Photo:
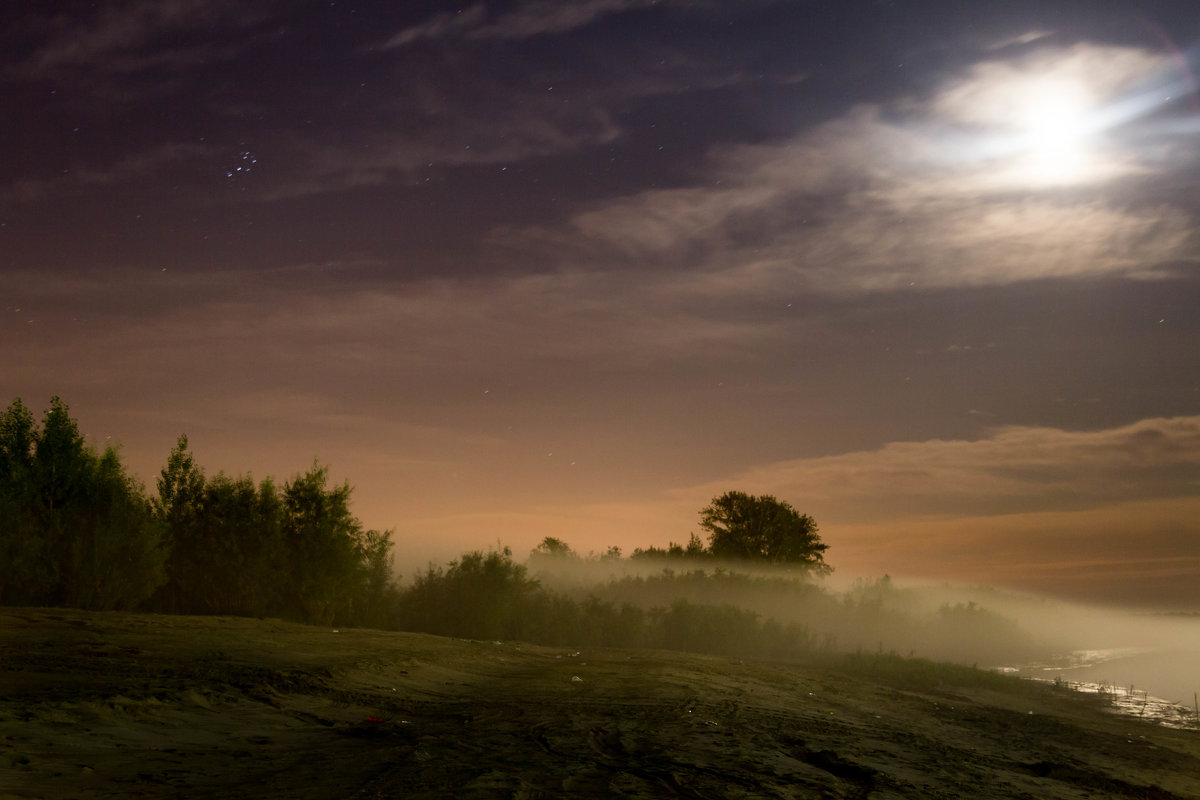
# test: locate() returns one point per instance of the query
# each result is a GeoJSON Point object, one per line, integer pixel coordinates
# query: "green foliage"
{"type": "Point", "coordinates": [767, 595]}
{"type": "Point", "coordinates": [234, 547]}
{"type": "Point", "coordinates": [551, 553]}
{"type": "Point", "coordinates": [18, 437]}
{"type": "Point", "coordinates": [479, 595]}
{"type": "Point", "coordinates": [376, 595]}
{"type": "Point", "coordinates": [552, 546]}
{"type": "Point", "coordinates": [114, 557]}
{"type": "Point", "coordinates": [702, 628]}
{"type": "Point", "coordinates": [725, 629]}
{"type": "Point", "coordinates": [745, 527]}
{"type": "Point", "coordinates": [694, 550]}
{"type": "Point", "coordinates": [75, 530]}
{"type": "Point", "coordinates": [920, 673]}
{"type": "Point", "coordinates": [224, 537]}
{"type": "Point", "coordinates": [26, 574]}
{"type": "Point", "coordinates": [488, 596]}
{"type": "Point", "coordinates": [180, 487]}
{"type": "Point", "coordinates": [323, 541]}
{"type": "Point", "coordinates": [246, 549]}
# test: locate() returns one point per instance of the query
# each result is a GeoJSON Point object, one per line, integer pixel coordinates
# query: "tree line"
{"type": "Point", "coordinates": [741, 528]}
{"type": "Point", "coordinates": [77, 530]}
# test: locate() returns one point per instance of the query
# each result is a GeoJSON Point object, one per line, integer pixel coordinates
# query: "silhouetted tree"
{"type": "Point", "coordinates": [479, 595]}
{"type": "Point", "coordinates": [26, 575]}
{"type": "Point", "coordinates": [180, 502]}
{"type": "Point", "coordinates": [694, 549]}
{"type": "Point", "coordinates": [323, 541]}
{"type": "Point", "coordinates": [238, 548]}
{"type": "Point", "coordinates": [60, 465]}
{"type": "Point", "coordinates": [113, 554]}
{"type": "Point", "coordinates": [377, 591]}
{"type": "Point", "coordinates": [236, 554]}
{"type": "Point", "coordinates": [552, 546]}
{"type": "Point", "coordinates": [743, 526]}
{"type": "Point", "coordinates": [74, 528]}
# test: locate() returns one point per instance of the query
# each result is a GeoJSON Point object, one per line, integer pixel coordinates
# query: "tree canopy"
{"type": "Point", "coordinates": [77, 530]}
{"type": "Point", "coordinates": [762, 528]}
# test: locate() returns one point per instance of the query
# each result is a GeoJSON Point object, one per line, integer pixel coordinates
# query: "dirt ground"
{"type": "Point", "coordinates": [126, 705]}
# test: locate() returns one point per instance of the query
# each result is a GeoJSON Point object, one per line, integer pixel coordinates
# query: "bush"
{"type": "Point", "coordinates": [478, 596]}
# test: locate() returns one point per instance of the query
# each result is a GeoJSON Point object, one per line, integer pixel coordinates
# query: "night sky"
{"type": "Point", "coordinates": [929, 271]}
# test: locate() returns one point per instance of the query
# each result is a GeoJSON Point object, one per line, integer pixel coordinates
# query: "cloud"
{"type": "Point", "coordinates": [129, 168]}
{"type": "Point", "coordinates": [127, 37]}
{"type": "Point", "coordinates": [1101, 515]}
{"type": "Point", "coordinates": [1020, 40]}
{"type": "Point", "coordinates": [533, 18]}
{"type": "Point", "coordinates": [438, 26]}
{"type": "Point", "coordinates": [1136, 552]}
{"type": "Point", "coordinates": [462, 335]}
{"type": "Point", "coordinates": [1013, 469]}
{"type": "Point", "coordinates": [994, 93]}
{"type": "Point", "coordinates": [392, 381]}
{"type": "Point", "coordinates": [538, 17]}
{"type": "Point", "coordinates": [464, 135]}
{"type": "Point", "coordinates": [443, 111]}
{"type": "Point", "coordinates": [885, 198]}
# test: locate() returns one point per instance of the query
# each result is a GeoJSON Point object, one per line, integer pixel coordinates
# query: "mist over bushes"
{"type": "Point", "coordinates": [76, 530]}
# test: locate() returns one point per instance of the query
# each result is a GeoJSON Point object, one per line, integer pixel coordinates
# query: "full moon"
{"type": "Point", "coordinates": [1054, 128]}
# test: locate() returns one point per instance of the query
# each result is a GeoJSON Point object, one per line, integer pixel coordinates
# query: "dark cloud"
{"type": "Point", "coordinates": [526, 20]}
{"type": "Point", "coordinates": [138, 36]}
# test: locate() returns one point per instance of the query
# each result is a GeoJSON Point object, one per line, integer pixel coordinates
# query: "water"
{"type": "Point", "coordinates": [1154, 683]}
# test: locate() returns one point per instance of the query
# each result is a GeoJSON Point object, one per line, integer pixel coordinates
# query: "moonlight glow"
{"type": "Point", "coordinates": [1055, 129]}
{"type": "Point", "coordinates": [1056, 117]}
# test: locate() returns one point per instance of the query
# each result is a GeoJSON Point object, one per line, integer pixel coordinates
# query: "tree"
{"type": "Point", "coordinates": [114, 557]}
{"type": "Point", "coordinates": [479, 596]}
{"type": "Point", "coordinates": [181, 494]}
{"type": "Point", "coordinates": [694, 550]}
{"type": "Point", "coordinates": [25, 575]}
{"type": "Point", "coordinates": [745, 527]}
{"type": "Point", "coordinates": [377, 592]}
{"type": "Point", "coordinates": [324, 543]}
{"type": "Point", "coordinates": [554, 547]}
{"type": "Point", "coordinates": [17, 439]}
{"type": "Point", "coordinates": [234, 549]}
{"type": "Point", "coordinates": [75, 529]}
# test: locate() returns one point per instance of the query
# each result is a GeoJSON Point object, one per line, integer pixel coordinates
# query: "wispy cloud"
{"type": "Point", "coordinates": [1056, 511]}
{"type": "Point", "coordinates": [1013, 469]}
{"type": "Point", "coordinates": [439, 26]}
{"type": "Point", "coordinates": [532, 18]}
{"type": "Point", "coordinates": [459, 138]}
{"type": "Point", "coordinates": [131, 36]}
{"type": "Point", "coordinates": [1140, 551]}
{"type": "Point", "coordinates": [131, 167]}
{"type": "Point", "coordinates": [456, 114]}
{"type": "Point", "coordinates": [993, 93]}
{"type": "Point", "coordinates": [537, 17]}
{"type": "Point", "coordinates": [1021, 40]}
{"type": "Point", "coordinates": [885, 198]}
